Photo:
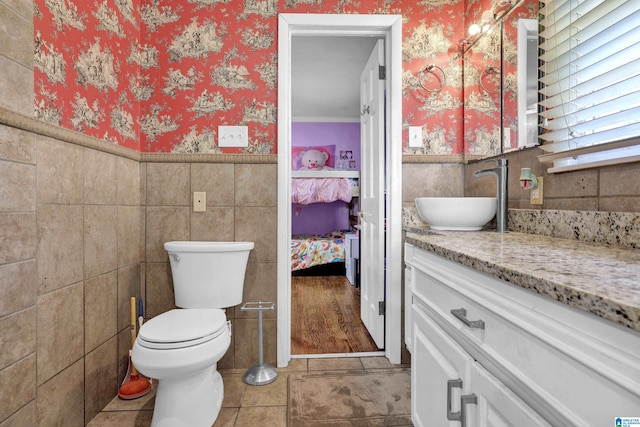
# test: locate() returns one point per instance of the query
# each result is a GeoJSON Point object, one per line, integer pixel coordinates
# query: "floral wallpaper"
{"type": "Point", "coordinates": [482, 106]}
{"type": "Point", "coordinates": [162, 75]}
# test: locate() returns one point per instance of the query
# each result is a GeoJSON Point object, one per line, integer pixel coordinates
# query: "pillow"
{"type": "Point", "coordinates": [296, 163]}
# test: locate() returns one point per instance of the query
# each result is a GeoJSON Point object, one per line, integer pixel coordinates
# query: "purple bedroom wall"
{"type": "Point", "coordinates": [319, 218]}
{"type": "Point", "coordinates": [345, 136]}
{"type": "Point", "coordinates": [322, 218]}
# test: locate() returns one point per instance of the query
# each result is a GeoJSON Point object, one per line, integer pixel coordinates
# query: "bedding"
{"type": "Point", "coordinates": [311, 250]}
{"type": "Point", "coordinates": [305, 191]}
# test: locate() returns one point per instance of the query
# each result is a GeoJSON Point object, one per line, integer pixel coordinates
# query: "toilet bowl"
{"type": "Point", "coordinates": [181, 347]}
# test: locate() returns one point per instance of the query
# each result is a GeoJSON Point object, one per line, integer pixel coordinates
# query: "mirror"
{"type": "Point", "coordinates": [520, 76]}
{"type": "Point", "coordinates": [496, 118]}
{"type": "Point", "coordinates": [481, 91]}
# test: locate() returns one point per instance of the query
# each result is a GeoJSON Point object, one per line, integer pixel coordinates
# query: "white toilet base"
{"type": "Point", "coordinates": [190, 401]}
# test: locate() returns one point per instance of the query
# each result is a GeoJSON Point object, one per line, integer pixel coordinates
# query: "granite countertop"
{"type": "Point", "coordinates": [602, 280]}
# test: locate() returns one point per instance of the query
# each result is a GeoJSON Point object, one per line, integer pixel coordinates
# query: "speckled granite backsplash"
{"type": "Point", "coordinates": [603, 228]}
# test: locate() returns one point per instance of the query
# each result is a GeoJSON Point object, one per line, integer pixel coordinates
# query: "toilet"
{"type": "Point", "coordinates": [181, 348]}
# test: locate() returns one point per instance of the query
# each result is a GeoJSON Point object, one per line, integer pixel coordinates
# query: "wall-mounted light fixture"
{"type": "Point", "coordinates": [489, 17]}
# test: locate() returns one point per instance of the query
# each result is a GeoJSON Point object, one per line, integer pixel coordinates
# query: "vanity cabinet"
{"type": "Point", "coordinates": [486, 352]}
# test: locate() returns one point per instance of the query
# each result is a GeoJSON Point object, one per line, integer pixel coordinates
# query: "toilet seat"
{"type": "Point", "coordinates": [180, 328]}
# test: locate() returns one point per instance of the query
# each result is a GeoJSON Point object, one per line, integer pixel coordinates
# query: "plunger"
{"type": "Point", "coordinates": [134, 385]}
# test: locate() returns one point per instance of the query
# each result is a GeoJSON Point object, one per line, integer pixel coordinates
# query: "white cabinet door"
{"type": "Point", "coordinates": [496, 405]}
{"type": "Point", "coordinates": [439, 374]}
{"type": "Point", "coordinates": [408, 322]}
{"type": "Point", "coordinates": [408, 296]}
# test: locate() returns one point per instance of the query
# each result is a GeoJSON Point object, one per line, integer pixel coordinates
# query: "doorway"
{"type": "Point", "coordinates": [387, 27]}
{"type": "Point", "coordinates": [326, 258]}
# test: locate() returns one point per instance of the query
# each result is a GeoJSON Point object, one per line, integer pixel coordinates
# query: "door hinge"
{"type": "Point", "coordinates": [382, 72]}
{"type": "Point", "coordinates": [382, 307]}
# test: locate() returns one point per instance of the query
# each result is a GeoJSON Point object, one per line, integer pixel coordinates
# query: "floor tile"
{"type": "Point", "coordinates": [337, 363]}
{"type": "Point", "coordinates": [122, 419]}
{"type": "Point", "coordinates": [227, 417]}
{"type": "Point", "coordinates": [274, 394]}
{"type": "Point", "coordinates": [234, 390]}
{"type": "Point", "coordinates": [262, 416]}
{"type": "Point", "coordinates": [244, 405]}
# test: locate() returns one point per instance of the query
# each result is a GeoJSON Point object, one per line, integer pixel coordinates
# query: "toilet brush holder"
{"type": "Point", "coordinates": [262, 373]}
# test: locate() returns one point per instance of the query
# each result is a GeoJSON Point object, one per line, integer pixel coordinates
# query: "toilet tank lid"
{"type": "Point", "coordinates": [197, 246]}
{"type": "Point", "coordinates": [180, 325]}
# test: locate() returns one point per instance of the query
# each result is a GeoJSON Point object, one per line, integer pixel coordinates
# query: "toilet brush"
{"type": "Point", "coordinates": [134, 384]}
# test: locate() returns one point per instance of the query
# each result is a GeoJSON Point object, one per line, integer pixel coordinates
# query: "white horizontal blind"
{"type": "Point", "coordinates": [590, 52]}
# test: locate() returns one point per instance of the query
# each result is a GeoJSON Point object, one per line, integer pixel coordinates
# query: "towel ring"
{"type": "Point", "coordinates": [489, 70]}
{"type": "Point", "coordinates": [431, 69]}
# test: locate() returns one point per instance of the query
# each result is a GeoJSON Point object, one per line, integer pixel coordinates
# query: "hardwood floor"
{"type": "Point", "coordinates": [325, 317]}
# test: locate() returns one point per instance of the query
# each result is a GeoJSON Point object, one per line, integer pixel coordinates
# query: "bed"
{"type": "Point", "coordinates": [309, 251]}
{"type": "Point", "coordinates": [324, 186]}
{"type": "Point", "coordinates": [321, 254]}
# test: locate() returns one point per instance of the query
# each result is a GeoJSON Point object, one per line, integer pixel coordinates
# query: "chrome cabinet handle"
{"type": "Point", "coordinates": [461, 314]}
{"type": "Point", "coordinates": [453, 416]}
{"type": "Point", "coordinates": [467, 399]}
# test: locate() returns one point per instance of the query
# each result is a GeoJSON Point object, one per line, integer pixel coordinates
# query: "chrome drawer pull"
{"type": "Point", "coordinates": [467, 399]}
{"type": "Point", "coordinates": [453, 416]}
{"type": "Point", "coordinates": [461, 314]}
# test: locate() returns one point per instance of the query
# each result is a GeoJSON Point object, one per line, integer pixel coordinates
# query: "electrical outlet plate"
{"type": "Point", "coordinates": [415, 136]}
{"type": "Point", "coordinates": [233, 136]}
{"type": "Point", "coordinates": [199, 201]}
{"type": "Point", "coordinates": [536, 193]}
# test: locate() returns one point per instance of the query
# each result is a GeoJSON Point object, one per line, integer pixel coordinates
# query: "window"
{"type": "Point", "coordinates": [590, 83]}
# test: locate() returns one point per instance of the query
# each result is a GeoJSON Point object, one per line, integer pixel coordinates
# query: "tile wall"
{"type": "Point", "coordinates": [69, 254]}
{"type": "Point", "coordinates": [431, 176]}
{"type": "Point", "coordinates": [241, 206]}
{"type": "Point", "coordinates": [69, 261]}
{"type": "Point", "coordinates": [81, 231]}
{"type": "Point", "coordinates": [611, 188]}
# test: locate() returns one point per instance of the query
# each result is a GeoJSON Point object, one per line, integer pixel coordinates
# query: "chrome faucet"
{"type": "Point", "coordinates": [501, 172]}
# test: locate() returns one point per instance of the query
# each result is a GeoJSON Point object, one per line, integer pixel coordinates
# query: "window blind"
{"type": "Point", "coordinates": [590, 83]}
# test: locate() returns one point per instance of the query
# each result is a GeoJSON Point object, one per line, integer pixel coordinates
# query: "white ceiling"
{"type": "Point", "coordinates": [325, 79]}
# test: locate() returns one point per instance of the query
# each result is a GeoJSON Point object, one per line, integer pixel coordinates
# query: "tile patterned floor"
{"type": "Point", "coordinates": [243, 405]}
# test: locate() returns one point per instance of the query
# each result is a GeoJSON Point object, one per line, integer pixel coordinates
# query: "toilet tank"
{"type": "Point", "coordinates": [208, 274]}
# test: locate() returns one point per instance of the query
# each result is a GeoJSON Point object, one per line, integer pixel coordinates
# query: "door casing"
{"type": "Point", "coordinates": [389, 27]}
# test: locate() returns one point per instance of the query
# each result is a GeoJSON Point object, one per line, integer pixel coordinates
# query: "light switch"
{"type": "Point", "coordinates": [506, 139]}
{"type": "Point", "coordinates": [415, 136]}
{"type": "Point", "coordinates": [199, 201]}
{"type": "Point", "coordinates": [233, 136]}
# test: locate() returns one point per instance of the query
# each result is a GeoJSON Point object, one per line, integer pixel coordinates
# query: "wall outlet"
{"type": "Point", "coordinates": [415, 136]}
{"type": "Point", "coordinates": [233, 136]}
{"type": "Point", "coordinates": [536, 193]}
{"type": "Point", "coordinates": [199, 201]}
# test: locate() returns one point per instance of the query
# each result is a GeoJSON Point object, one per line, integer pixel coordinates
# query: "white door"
{"type": "Point", "coordinates": [372, 197]}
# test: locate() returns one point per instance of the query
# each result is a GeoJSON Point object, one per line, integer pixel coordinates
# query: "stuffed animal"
{"type": "Point", "coordinates": [314, 160]}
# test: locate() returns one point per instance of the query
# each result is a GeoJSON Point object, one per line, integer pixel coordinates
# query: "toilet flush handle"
{"type": "Point", "coordinates": [176, 258]}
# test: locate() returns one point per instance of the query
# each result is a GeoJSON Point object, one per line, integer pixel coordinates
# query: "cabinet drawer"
{"type": "Point", "coordinates": [546, 352]}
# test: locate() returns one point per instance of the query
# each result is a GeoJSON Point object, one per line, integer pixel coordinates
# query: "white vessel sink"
{"type": "Point", "coordinates": [456, 213]}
